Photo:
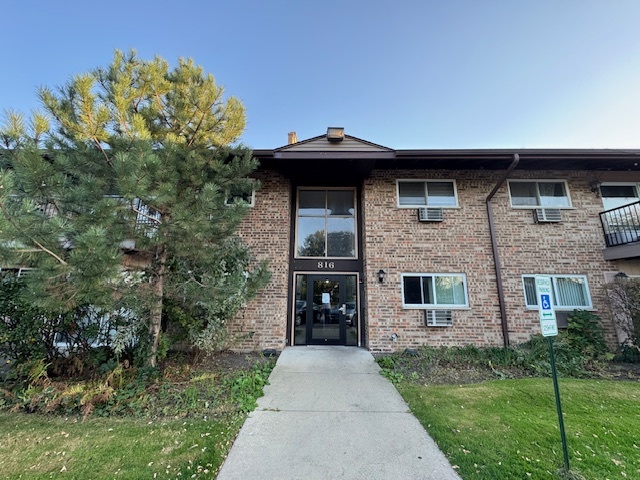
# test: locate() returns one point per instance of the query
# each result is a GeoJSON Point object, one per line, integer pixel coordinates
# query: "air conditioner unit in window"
{"type": "Point", "coordinates": [438, 318]}
{"type": "Point", "coordinates": [547, 215]}
{"type": "Point", "coordinates": [430, 214]}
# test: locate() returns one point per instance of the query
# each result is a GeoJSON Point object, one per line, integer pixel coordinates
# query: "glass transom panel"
{"type": "Point", "coordinates": [326, 223]}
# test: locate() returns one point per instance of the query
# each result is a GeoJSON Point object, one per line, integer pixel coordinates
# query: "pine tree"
{"type": "Point", "coordinates": [118, 196]}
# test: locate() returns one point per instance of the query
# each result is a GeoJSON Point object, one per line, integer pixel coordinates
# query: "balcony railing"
{"type": "Point", "coordinates": [621, 225]}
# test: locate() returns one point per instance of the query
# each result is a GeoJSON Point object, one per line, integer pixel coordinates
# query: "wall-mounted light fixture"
{"type": "Point", "coordinates": [594, 186]}
{"type": "Point", "coordinates": [621, 276]}
{"type": "Point", "coordinates": [381, 275]}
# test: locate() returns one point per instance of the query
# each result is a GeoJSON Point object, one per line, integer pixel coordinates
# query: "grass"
{"type": "Point", "coordinates": [38, 447]}
{"type": "Point", "coordinates": [509, 428]}
{"type": "Point", "coordinates": [178, 423]}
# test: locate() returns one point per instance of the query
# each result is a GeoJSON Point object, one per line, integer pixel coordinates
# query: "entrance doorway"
{"type": "Point", "coordinates": [326, 310]}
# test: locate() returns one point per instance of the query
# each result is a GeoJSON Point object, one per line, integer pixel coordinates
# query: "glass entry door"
{"type": "Point", "coordinates": [326, 310]}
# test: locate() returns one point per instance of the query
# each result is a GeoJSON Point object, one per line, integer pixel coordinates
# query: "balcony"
{"type": "Point", "coordinates": [621, 228]}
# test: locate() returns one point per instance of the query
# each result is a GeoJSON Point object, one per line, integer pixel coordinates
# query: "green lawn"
{"type": "Point", "coordinates": [177, 424]}
{"type": "Point", "coordinates": [35, 447]}
{"type": "Point", "coordinates": [509, 428]}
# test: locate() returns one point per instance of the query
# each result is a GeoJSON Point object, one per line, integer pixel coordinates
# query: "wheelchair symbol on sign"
{"type": "Point", "coordinates": [546, 305]}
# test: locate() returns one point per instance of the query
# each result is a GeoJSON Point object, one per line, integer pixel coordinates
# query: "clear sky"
{"type": "Point", "coordinates": [400, 73]}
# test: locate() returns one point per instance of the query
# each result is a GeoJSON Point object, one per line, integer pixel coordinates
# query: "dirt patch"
{"type": "Point", "coordinates": [226, 362]}
{"type": "Point", "coordinates": [457, 374]}
{"type": "Point", "coordinates": [444, 372]}
{"type": "Point", "coordinates": [413, 369]}
{"type": "Point", "coordinates": [623, 371]}
{"type": "Point", "coordinates": [451, 374]}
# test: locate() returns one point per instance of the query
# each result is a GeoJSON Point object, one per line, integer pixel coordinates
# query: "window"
{"type": "Point", "coordinates": [427, 193]}
{"type": "Point", "coordinates": [546, 193]}
{"type": "Point", "coordinates": [17, 272]}
{"type": "Point", "coordinates": [96, 328]}
{"type": "Point", "coordinates": [326, 223]}
{"type": "Point", "coordinates": [146, 217]}
{"type": "Point", "coordinates": [245, 196]}
{"type": "Point", "coordinates": [618, 195]}
{"type": "Point", "coordinates": [569, 291]}
{"type": "Point", "coordinates": [429, 290]}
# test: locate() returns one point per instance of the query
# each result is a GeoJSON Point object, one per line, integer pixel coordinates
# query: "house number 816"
{"type": "Point", "coordinates": [329, 265]}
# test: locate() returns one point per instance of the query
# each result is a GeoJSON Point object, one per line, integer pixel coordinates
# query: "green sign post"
{"type": "Point", "coordinates": [549, 327]}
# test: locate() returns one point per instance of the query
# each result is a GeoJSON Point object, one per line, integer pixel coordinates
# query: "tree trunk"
{"type": "Point", "coordinates": [155, 322]}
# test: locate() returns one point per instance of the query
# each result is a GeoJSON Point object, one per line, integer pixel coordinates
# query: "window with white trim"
{"type": "Point", "coordinates": [426, 193]}
{"type": "Point", "coordinates": [615, 195]}
{"type": "Point", "coordinates": [17, 271]}
{"type": "Point", "coordinates": [244, 196]}
{"type": "Point", "coordinates": [434, 290]}
{"type": "Point", "coordinates": [569, 291]}
{"type": "Point", "coordinates": [540, 193]}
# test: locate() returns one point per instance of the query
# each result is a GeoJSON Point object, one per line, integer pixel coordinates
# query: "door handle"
{"type": "Point", "coordinates": [343, 309]}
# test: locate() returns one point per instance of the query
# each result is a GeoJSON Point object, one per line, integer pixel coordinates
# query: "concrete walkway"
{"type": "Point", "coordinates": [329, 414]}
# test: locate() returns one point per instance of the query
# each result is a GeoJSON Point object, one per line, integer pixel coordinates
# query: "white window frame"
{"type": "Point", "coordinates": [537, 181]}
{"type": "Point", "coordinates": [19, 271]}
{"type": "Point", "coordinates": [250, 203]}
{"type": "Point", "coordinates": [435, 306]}
{"type": "Point", "coordinates": [635, 185]}
{"type": "Point", "coordinates": [424, 181]}
{"type": "Point", "coordinates": [554, 282]}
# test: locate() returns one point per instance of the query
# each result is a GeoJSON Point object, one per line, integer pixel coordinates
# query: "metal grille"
{"type": "Point", "coordinates": [547, 215]}
{"type": "Point", "coordinates": [438, 318]}
{"type": "Point", "coordinates": [430, 214]}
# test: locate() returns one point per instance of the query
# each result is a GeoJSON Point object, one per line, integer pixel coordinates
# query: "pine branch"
{"type": "Point", "coordinates": [195, 131]}
{"type": "Point", "coordinates": [41, 248]}
{"type": "Point", "coordinates": [147, 216]}
{"type": "Point", "coordinates": [106, 157]}
{"type": "Point", "coordinates": [46, 250]}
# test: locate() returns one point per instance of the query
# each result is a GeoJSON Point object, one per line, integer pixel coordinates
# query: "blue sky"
{"type": "Point", "coordinates": [403, 73]}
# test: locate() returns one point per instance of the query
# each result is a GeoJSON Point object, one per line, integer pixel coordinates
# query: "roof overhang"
{"type": "Point", "coordinates": [530, 159]}
{"type": "Point", "coordinates": [359, 164]}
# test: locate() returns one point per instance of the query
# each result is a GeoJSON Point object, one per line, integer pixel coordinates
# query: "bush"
{"type": "Point", "coordinates": [31, 333]}
{"type": "Point", "coordinates": [534, 356]}
{"type": "Point", "coordinates": [26, 332]}
{"type": "Point", "coordinates": [627, 354]}
{"type": "Point", "coordinates": [585, 335]}
{"type": "Point", "coordinates": [578, 353]}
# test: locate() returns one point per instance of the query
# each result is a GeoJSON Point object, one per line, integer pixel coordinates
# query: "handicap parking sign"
{"type": "Point", "coordinates": [548, 324]}
{"type": "Point", "coordinates": [545, 302]}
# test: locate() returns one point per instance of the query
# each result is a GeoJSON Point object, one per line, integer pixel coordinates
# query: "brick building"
{"type": "Point", "coordinates": [391, 249]}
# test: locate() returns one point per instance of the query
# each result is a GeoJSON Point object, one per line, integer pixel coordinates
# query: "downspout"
{"type": "Point", "coordinates": [494, 247]}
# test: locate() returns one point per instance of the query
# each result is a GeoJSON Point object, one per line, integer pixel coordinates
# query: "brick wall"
{"type": "Point", "coordinates": [396, 242]}
{"type": "Point", "coordinates": [266, 230]}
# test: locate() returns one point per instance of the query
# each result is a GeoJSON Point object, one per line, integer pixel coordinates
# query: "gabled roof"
{"type": "Point", "coordinates": [322, 144]}
{"type": "Point", "coordinates": [319, 156]}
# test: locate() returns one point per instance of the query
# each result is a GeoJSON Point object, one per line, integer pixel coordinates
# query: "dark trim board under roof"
{"type": "Point", "coordinates": [530, 159]}
{"type": "Point", "coordinates": [477, 159]}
